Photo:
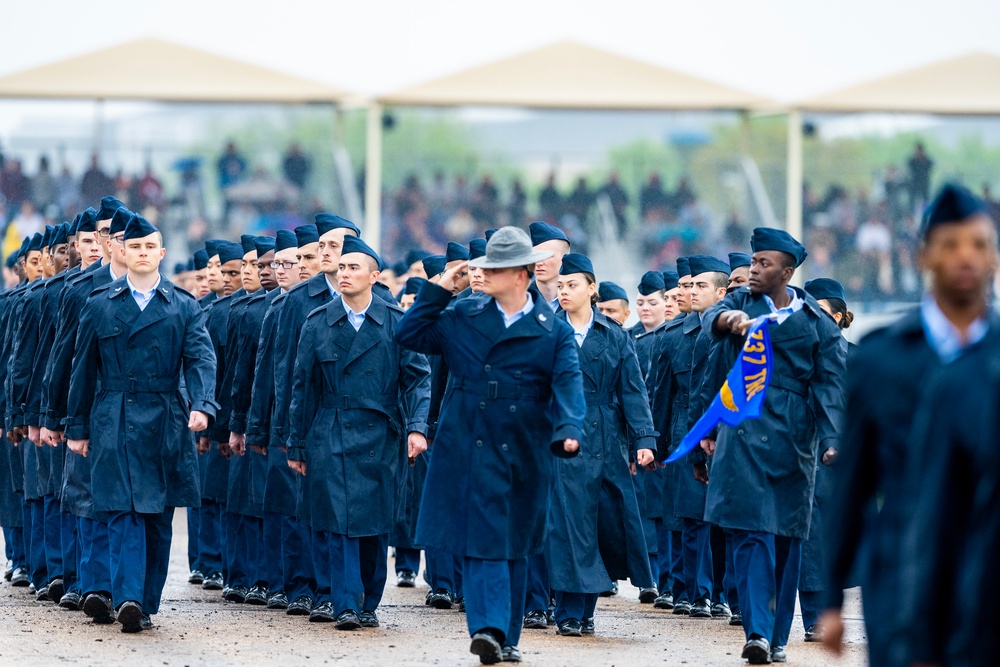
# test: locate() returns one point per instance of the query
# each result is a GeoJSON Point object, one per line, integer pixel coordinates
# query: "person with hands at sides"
{"type": "Point", "coordinates": [764, 470]}
{"type": "Point", "coordinates": [358, 409]}
{"type": "Point", "coordinates": [593, 498]}
{"type": "Point", "coordinates": [516, 383]}
{"type": "Point", "coordinates": [137, 336]}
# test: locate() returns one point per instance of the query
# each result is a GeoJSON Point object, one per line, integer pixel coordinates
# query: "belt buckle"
{"type": "Point", "coordinates": [493, 389]}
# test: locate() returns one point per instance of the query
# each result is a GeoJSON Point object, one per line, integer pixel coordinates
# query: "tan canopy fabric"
{"type": "Point", "coordinates": [568, 75]}
{"type": "Point", "coordinates": [967, 84]}
{"type": "Point", "coordinates": [152, 69]}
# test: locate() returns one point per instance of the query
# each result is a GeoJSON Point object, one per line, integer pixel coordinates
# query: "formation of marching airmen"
{"type": "Point", "coordinates": [496, 417]}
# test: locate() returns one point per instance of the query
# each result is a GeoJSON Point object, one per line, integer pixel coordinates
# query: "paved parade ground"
{"type": "Point", "coordinates": [195, 627]}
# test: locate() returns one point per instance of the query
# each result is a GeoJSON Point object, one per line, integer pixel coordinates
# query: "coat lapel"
{"type": "Point", "coordinates": [155, 310]}
{"type": "Point", "coordinates": [369, 335]}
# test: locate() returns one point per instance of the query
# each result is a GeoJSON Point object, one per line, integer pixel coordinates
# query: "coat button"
{"type": "Point", "coordinates": [347, 372]}
{"type": "Point", "coordinates": [129, 401]}
{"type": "Point", "coordinates": [594, 424]}
{"type": "Point", "coordinates": [131, 428]}
{"type": "Point", "coordinates": [517, 374]}
{"type": "Point", "coordinates": [348, 427]}
{"type": "Point", "coordinates": [368, 372]}
{"type": "Point", "coordinates": [482, 405]}
{"type": "Point", "coordinates": [504, 446]}
{"type": "Point", "coordinates": [371, 453]}
{"type": "Point", "coordinates": [740, 432]}
{"type": "Point", "coordinates": [763, 438]}
{"type": "Point", "coordinates": [116, 329]}
{"type": "Point", "coordinates": [371, 427]}
{"type": "Point", "coordinates": [487, 368]}
{"type": "Point", "coordinates": [479, 443]}
{"type": "Point", "coordinates": [336, 356]}
{"type": "Point", "coordinates": [513, 408]}
{"type": "Point", "coordinates": [598, 456]}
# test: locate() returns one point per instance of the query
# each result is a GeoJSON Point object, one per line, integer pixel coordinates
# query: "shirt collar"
{"type": "Point", "coordinates": [508, 320]}
{"type": "Point", "coordinates": [330, 286]}
{"type": "Point", "coordinates": [581, 334]}
{"type": "Point", "coordinates": [136, 290]}
{"type": "Point", "coordinates": [794, 306]}
{"type": "Point", "coordinates": [360, 313]}
{"type": "Point", "coordinates": [944, 336]}
{"type": "Point", "coordinates": [111, 270]}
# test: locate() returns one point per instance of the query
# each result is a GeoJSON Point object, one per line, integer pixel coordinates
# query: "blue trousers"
{"type": "Point", "coordinates": [34, 541]}
{"type": "Point", "coordinates": [575, 605]}
{"type": "Point", "coordinates": [696, 538]}
{"type": "Point", "coordinates": [811, 603]}
{"type": "Point", "coordinates": [767, 573]}
{"type": "Point", "coordinates": [270, 535]}
{"type": "Point", "coordinates": [243, 558]}
{"type": "Point", "coordinates": [140, 554]}
{"type": "Point", "coordinates": [69, 542]}
{"type": "Point", "coordinates": [537, 586]}
{"type": "Point", "coordinates": [297, 559]}
{"type": "Point", "coordinates": [494, 597]}
{"type": "Point", "coordinates": [444, 571]}
{"type": "Point", "coordinates": [678, 587]}
{"type": "Point", "coordinates": [52, 537]}
{"type": "Point", "coordinates": [355, 570]}
{"type": "Point", "coordinates": [730, 582]}
{"type": "Point", "coordinates": [210, 537]}
{"type": "Point", "coordinates": [407, 560]}
{"type": "Point", "coordinates": [13, 539]}
{"type": "Point", "coordinates": [95, 557]}
{"type": "Point", "coordinates": [194, 528]}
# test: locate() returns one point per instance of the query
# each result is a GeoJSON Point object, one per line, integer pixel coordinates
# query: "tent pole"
{"type": "Point", "coordinates": [373, 177]}
{"type": "Point", "coordinates": [793, 193]}
{"type": "Point", "coordinates": [343, 169]}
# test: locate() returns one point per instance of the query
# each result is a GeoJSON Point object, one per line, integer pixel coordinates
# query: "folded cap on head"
{"type": "Point", "coordinates": [609, 291]}
{"type": "Point", "coordinates": [35, 243]}
{"type": "Point", "coordinates": [306, 234]}
{"type": "Point", "coordinates": [47, 235]}
{"type": "Point", "coordinates": [119, 220]}
{"type": "Point", "coordinates": [768, 238]}
{"type": "Point", "coordinates": [355, 244]}
{"type": "Point", "coordinates": [285, 239]}
{"type": "Point", "coordinates": [413, 285]}
{"type": "Point", "coordinates": [229, 251]}
{"type": "Point", "coordinates": [825, 288]}
{"type": "Point", "coordinates": [60, 234]}
{"type": "Point", "coordinates": [489, 234]}
{"type": "Point", "coordinates": [416, 255]}
{"type": "Point", "coordinates": [670, 280]}
{"type": "Point", "coordinates": [326, 222]}
{"type": "Point", "coordinates": [700, 264]}
{"type": "Point", "coordinates": [263, 245]}
{"type": "Point", "coordinates": [138, 227]}
{"type": "Point", "coordinates": [108, 207]}
{"type": "Point", "coordinates": [652, 281]}
{"type": "Point", "coordinates": [456, 252]}
{"type": "Point", "coordinates": [200, 260]}
{"type": "Point", "coordinates": [88, 221]}
{"type": "Point", "coordinates": [180, 267]}
{"type": "Point", "coordinates": [246, 240]}
{"type": "Point", "coordinates": [23, 250]}
{"type": "Point", "coordinates": [433, 265]}
{"type": "Point", "coordinates": [212, 247]}
{"type": "Point", "coordinates": [575, 262]}
{"type": "Point", "coordinates": [953, 203]}
{"type": "Point", "coordinates": [509, 247]}
{"type": "Point", "coordinates": [74, 224]}
{"type": "Point", "coordinates": [737, 260]}
{"type": "Point", "coordinates": [477, 248]}
{"type": "Point", "coordinates": [543, 231]}
{"type": "Point", "coordinates": [683, 268]}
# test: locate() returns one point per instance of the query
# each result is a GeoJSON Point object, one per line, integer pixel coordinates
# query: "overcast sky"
{"type": "Point", "coordinates": [784, 49]}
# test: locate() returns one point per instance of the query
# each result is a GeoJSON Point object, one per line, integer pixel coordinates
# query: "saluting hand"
{"type": "Point", "coordinates": [238, 443]}
{"type": "Point", "coordinates": [198, 421]}
{"type": "Point", "coordinates": [571, 445]}
{"type": "Point", "coordinates": [416, 444]}
{"type": "Point", "coordinates": [448, 277]}
{"type": "Point", "coordinates": [298, 466]}
{"type": "Point", "coordinates": [80, 447]}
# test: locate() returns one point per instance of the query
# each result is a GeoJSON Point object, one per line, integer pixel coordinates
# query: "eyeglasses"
{"type": "Point", "coordinates": [104, 233]}
{"type": "Point", "coordinates": [284, 265]}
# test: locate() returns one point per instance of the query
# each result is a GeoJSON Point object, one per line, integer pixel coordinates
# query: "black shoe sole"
{"type": "Point", "coordinates": [316, 618]}
{"type": "Point", "coordinates": [95, 608]}
{"type": "Point", "coordinates": [647, 598]}
{"type": "Point", "coordinates": [440, 603]}
{"type": "Point", "coordinates": [131, 619]}
{"type": "Point", "coordinates": [489, 651]}
{"type": "Point", "coordinates": [756, 655]}
{"type": "Point", "coordinates": [297, 611]}
{"type": "Point", "coordinates": [700, 614]}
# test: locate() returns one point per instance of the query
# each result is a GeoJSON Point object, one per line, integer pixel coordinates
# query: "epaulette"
{"type": "Point", "coordinates": [183, 291]}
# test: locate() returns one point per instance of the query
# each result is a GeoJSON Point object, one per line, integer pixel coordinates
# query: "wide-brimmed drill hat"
{"type": "Point", "coordinates": [509, 247]}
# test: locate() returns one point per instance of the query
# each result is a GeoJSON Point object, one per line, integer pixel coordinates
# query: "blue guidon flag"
{"type": "Point", "coordinates": [742, 394]}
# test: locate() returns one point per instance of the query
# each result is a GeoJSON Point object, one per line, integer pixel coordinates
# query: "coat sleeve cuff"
{"type": "Point", "coordinates": [77, 430]}
{"type": "Point", "coordinates": [645, 442]}
{"type": "Point", "coordinates": [238, 422]}
{"type": "Point", "coordinates": [565, 433]}
{"type": "Point", "coordinates": [417, 427]}
{"type": "Point", "coordinates": [206, 405]}
{"type": "Point", "coordinates": [297, 452]}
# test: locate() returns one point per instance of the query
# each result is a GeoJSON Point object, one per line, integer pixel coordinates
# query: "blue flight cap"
{"type": "Point", "coordinates": [477, 248]}
{"type": "Point", "coordinates": [47, 236]}
{"type": "Point", "coordinates": [284, 240]}
{"type": "Point", "coordinates": [306, 234]}
{"type": "Point", "coordinates": [246, 240]}
{"type": "Point", "coordinates": [11, 260]}
{"type": "Point", "coordinates": [543, 231]}
{"type": "Point", "coordinates": [119, 220]}
{"type": "Point", "coordinates": [416, 255]}
{"type": "Point", "coordinates": [738, 259]}
{"type": "Point", "coordinates": [229, 251]}
{"type": "Point", "coordinates": [200, 259]}
{"type": "Point", "coordinates": [263, 245]}
{"type": "Point", "coordinates": [24, 247]}
{"type": "Point", "coordinates": [326, 222]}
{"type": "Point", "coordinates": [35, 243]}
{"type": "Point", "coordinates": [88, 221]}
{"type": "Point", "coordinates": [575, 262]}
{"type": "Point", "coordinates": [652, 281]}
{"type": "Point", "coordinates": [74, 225]}
{"type": "Point", "coordinates": [433, 265]}
{"type": "Point", "coordinates": [670, 280]}
{"type": "Point", "coordinates": [190, 264]}
{"type": "Point", "coordinates": [683, 268]}
{"type": "Point", "coordinates": [400, 268]}
{"type": "Point", "coordinates": [700, 264]}
{"type": "Point", "coordinates": [768, 238]}
{"type": "Point", "coordinates": [825, 288]}
{"type": "Point", "coordinates": [355, 244]}
{"type": "Point", "coordinates": [456, 252]}
{"type": "Point", "coordinates": [608, 291]}
{"type": "Point", "coordinates": [212, 247]}
{"type": "Point", "coordinates": [60, 235]}
{"type": "Point", "coordinates": [489, 233]}
{"type": "Point", "coordinates": [413, 285]}
{"type": "Point", "coordinates": [108, 207]}
{"type": "Point", "coordinates": [138, 228]}
{"type": "Point", "coordinates": [180, 267]}
{"type": "Point", "coordinates": [953, 203]}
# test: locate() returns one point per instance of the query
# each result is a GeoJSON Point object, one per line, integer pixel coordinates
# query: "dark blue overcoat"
{"type": "Point", "coordinates": [355, 397]}
{"type": "Point", "coordinates": [124, 396]}
{"type": "Point", "coordinates": [515, 394]}
{"type": "Point", "coordinates": [214, 471]}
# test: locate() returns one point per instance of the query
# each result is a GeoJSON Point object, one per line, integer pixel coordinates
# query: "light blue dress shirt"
{"type": "Point", "coordinates": [333, 290]}
{"type": "Point", "coordinates": [356, 319]}
{"type": "Point", "coordinates": [784, 313]}
{"type": "Point", "coordinates": [510, 319]}
{"type": "Point", "coordinates": [142, 299]}
{"type": "Point", "coordinates": [581, 334]}
{"type": "Point", "coordinates": [944, 336]}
